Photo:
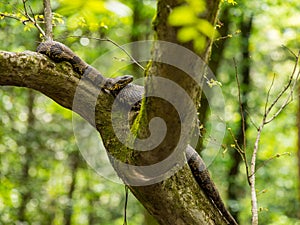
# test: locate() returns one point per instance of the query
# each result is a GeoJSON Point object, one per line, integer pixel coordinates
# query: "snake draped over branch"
{"type": "Point", "coordinates": [132, 94]}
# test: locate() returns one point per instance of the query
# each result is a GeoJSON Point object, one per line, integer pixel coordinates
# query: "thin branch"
{"type": "Point", "coordinates": [228, 36]}
{"type": "Point", "coordinates": [116, 44]}
{"type": "Point", "coordinates": [25, 14]}
{"type": "Point", "coordinates": [10, 16]}
{"type": "Point", "coordinates": [286, 87]}
{"type": "Point", "coordinates": [241, 104]}
{"type": "Point", "coordinates": [236, 144]}
{"type": "Point", "coordinates": [290, 51]}
{"type": "Point", "coordinates": [252, 178]}
{"type": "Point", "coordinates": [269, 160]}
{"type": "Point", "coordinates": [290, 96]}
{"type": "Point", "coordinates": [32, 19]}
{"type": "Point", "coordinates": [242, 151]}
{"type": "Point", "coordinates": [251, 120]}
{"type": "Point", "coordinates": [125, 205]}
{"type": "Point", "coordinates": [268, 94]}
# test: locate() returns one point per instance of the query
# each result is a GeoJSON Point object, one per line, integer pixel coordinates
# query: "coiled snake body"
{"type": "Point", "coordinates": [132, 94]}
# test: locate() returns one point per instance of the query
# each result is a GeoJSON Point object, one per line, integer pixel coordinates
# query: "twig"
{"type": "Point", "coordinates": [241, 104]}
{"type": "Point", "coordinates": [285, 88]}
{"type": "Point", "coordinates": [227, 36]}
{"type": "Point", "coordinates": [27, 16]}
{"type": "Point", "coordinates": [269, 160]}
{"type": "Point", "coordinates": [290, 51]}
{"type": "Point", "coordinates": [32, 19]}
{"type": "Point", "coordinates": [236, 144]}
{"type": "Point", "coordinates": [290, 96]}
{"type": "Point", "coordinates": [243, 150]}
{"type": "Point", "coordinates": [251, 120]}
{"type": "Point", "coordinates": [116, 44]}
{"type": "Point", "coordinates": [125, 205]}
{"type": "Point", "coordinates": [13, 17]}
{"type": "Point", "coordinates": [268, 94]}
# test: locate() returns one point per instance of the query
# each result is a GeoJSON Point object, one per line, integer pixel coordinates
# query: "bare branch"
{"type": "Point", "coordinates": [251, 120]}
{"type": "Point", "coordinates": [268, 94]}
{"type": "Point", "coordinates": [116, 44]}
{"type": "Point", "coordinates": [125, 205]}
{"type": "Point", "coordinates": [284, 89]}
{"type": "Point", "coordinates": [243, 150]}
{"type": "Point", "coordinates": [290, 51]}
{"type": "Point", "coordinates": [289, 97]}
{"type": "Point", "coordinates": [269, 160]}
{"type": "Point", "coordinates": [253, 169]}
{"type": "Point", "coordinates": [241, 104]}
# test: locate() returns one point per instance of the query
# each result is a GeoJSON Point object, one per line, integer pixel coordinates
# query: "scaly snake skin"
{"type": "Point", "coordinates": [131, 94]}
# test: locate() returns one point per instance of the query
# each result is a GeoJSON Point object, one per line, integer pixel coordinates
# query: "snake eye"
{"type": "Point", "coordinates": [126, 78]}
{"type": "Point", "coordinates": [108, 84]}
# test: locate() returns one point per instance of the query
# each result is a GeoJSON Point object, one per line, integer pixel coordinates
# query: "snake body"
{"type": "Point", "coordinates": [59, 52]}
{"type": "Point", "coordinates": [131, 94]}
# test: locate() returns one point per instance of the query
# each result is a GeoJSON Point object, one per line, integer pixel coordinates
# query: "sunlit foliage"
{"type": "Point", "coordinates": [192, 27]}
{"type": "Point", "coordinates": [36, 159]}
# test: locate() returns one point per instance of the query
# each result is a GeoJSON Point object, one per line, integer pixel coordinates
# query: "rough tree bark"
{"type": "Point", "coordinates": [175, 200]}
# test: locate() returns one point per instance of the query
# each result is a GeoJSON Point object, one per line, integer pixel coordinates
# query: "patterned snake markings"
{"type": "Point", "coordinates": [131, 94]}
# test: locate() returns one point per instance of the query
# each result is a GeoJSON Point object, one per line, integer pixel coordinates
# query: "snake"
{"type": "Point", "coordinates": [59, 52]}
{"type": "Point", "coordinates": [126, 92]}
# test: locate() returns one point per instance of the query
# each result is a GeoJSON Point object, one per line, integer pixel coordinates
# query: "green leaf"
{"type": "Point", "coordinates": [232, 2]}
{"type": "Point", "coordinates": [186, 34]}
{"type": "Point", "coordinates": [182, 16]}
{"type": "Point", "coordinates": [28, 26]}
{"type": "Point", "coordinates": [199, 43]}
{"type": "Point", "coordinates": [206, 28]}
{"type": "Point", "coordinates": [58, 18]}
{"type": "Point", "coordinates": [197, 6]}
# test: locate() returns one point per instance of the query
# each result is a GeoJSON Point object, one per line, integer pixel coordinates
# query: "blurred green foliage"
{"type": "Point", "coordinates": [39, 160]}
{"type": "Point", "coordinates": [274, 26]}
{"type": "Point", "coordinates": [192, 28]}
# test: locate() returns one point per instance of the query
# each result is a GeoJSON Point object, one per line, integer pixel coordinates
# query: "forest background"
{"type": "Point", "coordinates": [43, 175]}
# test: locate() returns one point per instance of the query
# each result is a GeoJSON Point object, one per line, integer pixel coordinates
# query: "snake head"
{"type": "Point", "coordinates": [116, 84]}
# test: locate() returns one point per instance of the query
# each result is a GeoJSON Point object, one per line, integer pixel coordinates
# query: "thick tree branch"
{"type": "Point", "coordinates": [57, 81]}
